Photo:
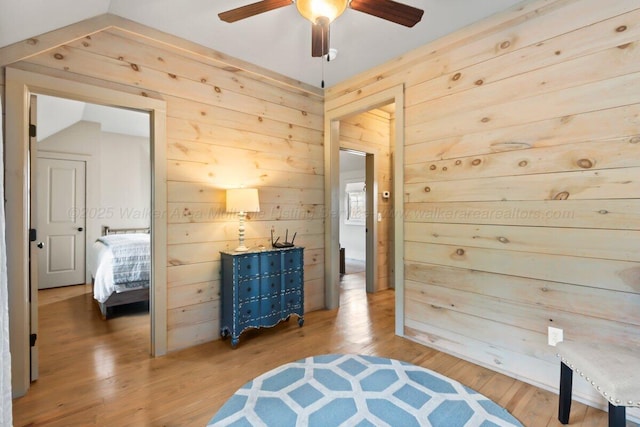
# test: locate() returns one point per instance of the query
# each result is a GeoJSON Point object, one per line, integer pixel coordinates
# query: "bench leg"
{"type": "Point", "coordinates": [564, 407]}
{"type": "Point", "coordinates": [617, 416]}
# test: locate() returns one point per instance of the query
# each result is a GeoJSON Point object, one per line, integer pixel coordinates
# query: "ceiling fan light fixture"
{"type": "Point", "coordinates": [314, 9]}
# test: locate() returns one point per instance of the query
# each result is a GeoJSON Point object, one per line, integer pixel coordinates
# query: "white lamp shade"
{"type": "Point", "coordinates": [243, 200]}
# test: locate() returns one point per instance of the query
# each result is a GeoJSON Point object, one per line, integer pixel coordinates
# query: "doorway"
{"type": "Point", "coordinates": [392, 195]}
{"type": "Point", "coordinates": [92, 170]}
{"type": "Point", "coordinates": [353, 212]}
{"type": "Point", "coordinates": [20, 85]}
{"type": "Point", "coordinates": [367, 135]}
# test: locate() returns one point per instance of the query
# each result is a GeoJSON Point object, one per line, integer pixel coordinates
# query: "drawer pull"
{"type": "Point", "coordinates": [249, 289]}
{"type": "Point", "coordinates": [248, 311]}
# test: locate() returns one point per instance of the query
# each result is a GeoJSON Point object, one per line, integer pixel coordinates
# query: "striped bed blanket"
{"type": "Point", "coordinates": [131, 256]}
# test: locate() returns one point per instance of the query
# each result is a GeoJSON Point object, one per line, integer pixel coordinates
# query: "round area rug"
{"type": "Point", "coordinates": [355, 390]}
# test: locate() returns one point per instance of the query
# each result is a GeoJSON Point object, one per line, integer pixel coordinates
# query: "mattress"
{"type": "Point", "coordinates": [121, 263]}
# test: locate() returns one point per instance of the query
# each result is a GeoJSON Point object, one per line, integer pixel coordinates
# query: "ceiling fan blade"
{"type": "Point", "coordinates": [320, 37]}
{"type": "Point", "coordinates": [252, 9]}
{"type": "Point", "coordinates": [390, 10]}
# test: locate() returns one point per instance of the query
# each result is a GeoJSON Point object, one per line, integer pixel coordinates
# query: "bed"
{"type": "Point", "coordinates": [120, 272]}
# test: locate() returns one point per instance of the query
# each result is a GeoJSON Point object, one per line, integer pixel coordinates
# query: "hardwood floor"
{"type": "Point", "coordinates": [95, 372]}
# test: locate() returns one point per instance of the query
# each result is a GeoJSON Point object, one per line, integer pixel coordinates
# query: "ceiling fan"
{"type": "Point", "coordinates": [322, 12]}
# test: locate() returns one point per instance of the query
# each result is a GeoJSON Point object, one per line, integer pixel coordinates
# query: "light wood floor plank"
{"type": "Point", "coordinates": [96, 372]}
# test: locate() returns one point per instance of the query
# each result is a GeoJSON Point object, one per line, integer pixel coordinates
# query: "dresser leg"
{"type": "Point", "coordinates": [234, 342]}
{"type": "Point", "coordinates": [300, 321]}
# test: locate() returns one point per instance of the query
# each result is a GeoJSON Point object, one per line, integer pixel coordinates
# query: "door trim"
{"type": "Point", "coordinates": [332, 119]}
{"type": "Point", "coordinates": [19, 85]}
{"type": "Point", "coordinates": [371, 223]}
{"type": "Point", "coordinates": [33, 249]}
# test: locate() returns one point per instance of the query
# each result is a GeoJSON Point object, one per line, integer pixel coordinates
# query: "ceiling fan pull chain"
{"type": "Point", "coordinates": [322, 83]}
{"type": "Point", "coordinates": [322, 59]}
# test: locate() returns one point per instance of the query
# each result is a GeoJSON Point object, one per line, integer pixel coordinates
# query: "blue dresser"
{"type": "Point", "coordinates": [259, 289]}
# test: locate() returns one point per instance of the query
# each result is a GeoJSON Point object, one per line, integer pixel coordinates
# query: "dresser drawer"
{"type": "Point", "coordinates": [248, 289]}
{"type": "Point", "coordinates": [292, 281]}
{"type": "Point", "coordinates": [270, 307]}
{"type": "Point", "coordinates": [247, 266]}
{"type": "Point", "coordinates": [292, 301]}
{"type": "Point", "coordinates": [270, 285]}
{"type": "Point", "coordinates": [292, 260]}
{"type": "Point", "coordinates": [248, 313]}
{"type": "Point", "coordinates": [270, 263]}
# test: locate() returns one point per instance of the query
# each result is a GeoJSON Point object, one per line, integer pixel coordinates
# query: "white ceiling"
{"type": "Point", "coordinates": [55, 114]}
{"type": "Point", "coordinates": [279, 40]}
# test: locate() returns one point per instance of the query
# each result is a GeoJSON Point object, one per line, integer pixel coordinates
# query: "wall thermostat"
{"type": "Point", "coordinates": [385, 194]}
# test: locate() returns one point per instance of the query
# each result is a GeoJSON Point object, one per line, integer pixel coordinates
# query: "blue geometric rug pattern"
{"type": "Point", "coordinates": [359, 391]}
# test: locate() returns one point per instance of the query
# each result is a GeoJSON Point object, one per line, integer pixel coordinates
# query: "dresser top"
{"type": "Point", "coordinates": [258, 250]}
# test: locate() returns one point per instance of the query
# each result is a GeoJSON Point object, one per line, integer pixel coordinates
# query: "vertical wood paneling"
{"type": "Point", "coordinates": [521, 183]}
{"type": "Point", "coordinates": [226, 127]}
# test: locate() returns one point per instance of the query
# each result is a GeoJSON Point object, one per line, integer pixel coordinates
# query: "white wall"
{"type": "Point", "coordinates": [125, 186]}
{"type": "Point", "coordinates": [352, 236]}
{"type": "Point", "coordinates": [118, 176]}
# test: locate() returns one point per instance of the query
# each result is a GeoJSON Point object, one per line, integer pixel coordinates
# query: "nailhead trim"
{"type": "Point", "coordinates": [593, 383]}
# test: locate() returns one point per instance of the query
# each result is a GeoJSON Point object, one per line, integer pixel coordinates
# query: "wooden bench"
{"type": "Point", "coordinates": [614, 371]}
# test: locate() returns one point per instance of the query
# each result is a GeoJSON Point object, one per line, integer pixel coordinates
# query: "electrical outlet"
{"type": "Point", "coordinates": [555, 336]}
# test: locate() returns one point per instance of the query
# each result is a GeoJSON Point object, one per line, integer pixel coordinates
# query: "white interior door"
{"type": "Point", "coordinates": [61, 206]}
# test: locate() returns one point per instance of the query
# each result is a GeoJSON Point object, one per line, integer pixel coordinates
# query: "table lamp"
{"type": "Point", "coordinates": [242, 200]}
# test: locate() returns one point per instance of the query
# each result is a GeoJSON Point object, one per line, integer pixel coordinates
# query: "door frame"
{"type": "Point", "coordinates": [371, 223]}
{"type": "Point", "coordinates": [19, 85]}
{"type": "Point", "coordinates": [332, 119]}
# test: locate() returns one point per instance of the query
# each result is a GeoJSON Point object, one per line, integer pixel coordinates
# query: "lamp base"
{"type": "Point", "coordinates": [241, 248]}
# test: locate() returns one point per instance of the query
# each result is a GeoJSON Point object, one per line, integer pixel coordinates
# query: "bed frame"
{"type": "Point", "coordinates": [122, 298]}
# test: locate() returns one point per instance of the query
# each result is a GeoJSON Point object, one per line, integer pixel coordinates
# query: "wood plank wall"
{"type": "Point", "coordinates": [370, 132]}
{"type": "Point", "coordinates": [226, 127]}
{"type": "Point", "coordinates": [522, 183]}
